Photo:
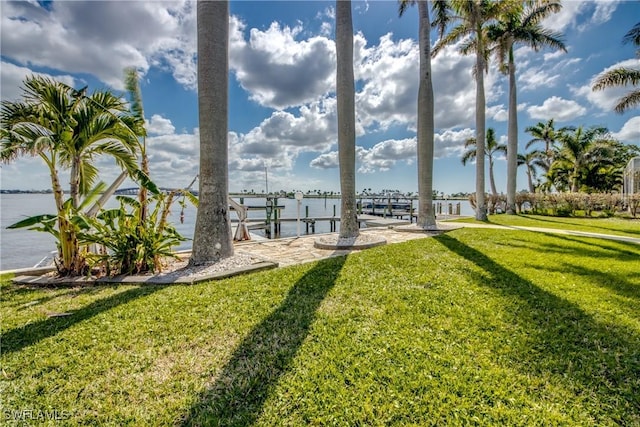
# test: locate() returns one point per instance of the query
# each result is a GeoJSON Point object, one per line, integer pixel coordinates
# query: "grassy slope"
{"type": "Point", "coordinates": [615, 225]}
{"type": "Point", "coordinates": [476, 326]}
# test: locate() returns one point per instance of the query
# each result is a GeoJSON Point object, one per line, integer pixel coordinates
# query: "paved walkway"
{"type": "Point", "coordinates": [297, 250]}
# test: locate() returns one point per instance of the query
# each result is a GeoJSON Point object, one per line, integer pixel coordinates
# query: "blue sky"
{"type": "Point", "coordinates": [282, 79]}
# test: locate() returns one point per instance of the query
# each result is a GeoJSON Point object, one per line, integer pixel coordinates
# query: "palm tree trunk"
{"type": "Point", "coordinates": [69, 249]}
{"type": "Point", "coordinates": [74, 181]}
{"type": "Point", "coordinates": [426, 127]}
{"type": "Point", "coordinates": [212, 235]}
{"type": "Point", "coordinates": [512, 136]}
{"type": "Point", "coordinates": [530, 180]}
{"type": "Point", "coordinates": [481, 207]}
{"type": "Point", "coordinates": [345, 94]}
{"type": "Point", "coordinates": [492, 180]}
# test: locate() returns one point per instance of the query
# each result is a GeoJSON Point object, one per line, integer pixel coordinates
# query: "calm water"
{"type": "Point", "coordinates": [24, 248]}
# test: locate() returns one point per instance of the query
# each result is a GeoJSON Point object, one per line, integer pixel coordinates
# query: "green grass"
{"type": "Point", "coordinates": [474, 327]}
{"type": "Point", "coordinates": [614, 225]}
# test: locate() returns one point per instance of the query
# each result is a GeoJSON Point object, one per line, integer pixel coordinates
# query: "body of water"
{"type": "Point", "coordinates": [24, 248]}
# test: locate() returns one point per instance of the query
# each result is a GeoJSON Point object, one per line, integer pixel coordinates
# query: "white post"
{"type": "Point", "coordinates": [299, 197]}
{"type": "Point", "coordinates": [446, 207]}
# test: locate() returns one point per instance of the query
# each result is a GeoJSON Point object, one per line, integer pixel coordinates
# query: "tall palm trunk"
{"type": "Point", "coordinates": [530, 181]}
{"type": "Point", "coordinates": [426, 127]}
{"type": "Point", "coordinates": [345, 94]}
{"type": "Point", "coordinates": [481, 208]}
{"type": "Point", "coordinates": [492, 181]}
{"type": "Point", "coordinates": [212, 235]}
{"type": "Point", "coordinates": [512, 136]}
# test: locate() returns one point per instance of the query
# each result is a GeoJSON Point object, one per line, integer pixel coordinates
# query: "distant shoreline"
{"type": "Point", "coordinates": [279, 195]}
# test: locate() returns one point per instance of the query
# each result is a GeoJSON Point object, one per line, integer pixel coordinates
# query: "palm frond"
{"type": "Point", "coordinates": [628, 101]}
{"type": "Point", "coordinates": [633, 35]}
{"type": "Point", "coordinates": [617, 77]}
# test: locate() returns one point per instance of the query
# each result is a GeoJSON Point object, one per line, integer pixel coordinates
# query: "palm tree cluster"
{"type": "Point", "coordinates": [68, 129]}
{"type": "Point", "coordinates": [484, 28]}
{"type": "Point", "coordinates": [586, 159]}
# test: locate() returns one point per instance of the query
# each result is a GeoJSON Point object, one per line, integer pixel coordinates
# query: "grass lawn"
{"type": "Point", "coordinates": [613, 225]}
{"type": "Point", "coordinates": [473, 327]}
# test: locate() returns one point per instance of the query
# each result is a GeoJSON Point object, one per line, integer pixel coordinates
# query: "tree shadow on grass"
{"type": "Point", "coordinates": [589, 246]}
{"type": "Point", "coordinates": [243, 385]}
{"type": "Point", "coordinates": [596, 358]}
{"type": "Point", "coordinates": [574, 221]}
{"type": "Point", "coordinates": [32, 333]}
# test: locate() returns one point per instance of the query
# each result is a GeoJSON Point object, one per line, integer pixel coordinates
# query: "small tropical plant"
{"type": "Point", "coordinates": [129, 243]}
{"type": "Point", "coordinates": [75, 224]}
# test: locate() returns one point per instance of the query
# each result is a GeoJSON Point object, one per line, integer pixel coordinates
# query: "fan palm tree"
{"type": "Point", "coordinates": [491, 149]}
{"type": "Point", "coordinates": [426, 128]}
{"type": "Point", "coordinates": [69, 129]}
{"type": "Point", "coordinates": [345, 94]}
{"type": "Point", "coordinates": [212, 234]}
{"type": "Point", "coordinates": [520, 26]}
{"type": "Point", "coordinates": [623, 76]}
{"type": "Point", "coordinates": [472, 18]}
{"type": "Point", "coordinates": [531, 161]}
{"type": "Point", "coordinates": [579, 150]}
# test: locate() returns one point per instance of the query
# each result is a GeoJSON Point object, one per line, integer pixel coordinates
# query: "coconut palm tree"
{"type": "Point", "coordinates": [69, 129]}
{"type": "Point", "coordinates": [345, 94]}
{"type": "Point", "coordinates": [491, 149]}
{"type": "Point", "coordinates": [580, 149]}
{"type": "Point", "coordinates": [548, 135]}
{"type": "Point", "coordinates": [520, 25]}
{"type": "Point", "coordinates": [623, 76]}
{"type": "Point", "coordinates": [212, 235]}
{"type": "Point", "coordinates": [472, 18]}
{"type": "Point", "coordinates": [426, 128]}
{"type": "Point", "coordinates": [531, 161]}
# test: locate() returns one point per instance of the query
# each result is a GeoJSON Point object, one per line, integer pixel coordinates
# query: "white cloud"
{"type": "Point", "coordinates": [278, 70]}
{"type": "Point", "coordinates": [158, 125]}
{"type": "Point", "coordinates": [630, 132]}
{"type": "Point", "coordinates": [102, 38]}
{"type": "Point", "coordinates": [556, 108]}
{"type": "Point", "coordinates": [326, 161]}
{"type": "Point", "coordinates": [533, 78]}
{"type": "Point", "coordinates": [573, 11]}
{"type": "Point", "coordinates": [386, 154]}
{"type": "Point", "coordinates": [451, 142]}
{"type": "Point", "coordinates": [12, 78]}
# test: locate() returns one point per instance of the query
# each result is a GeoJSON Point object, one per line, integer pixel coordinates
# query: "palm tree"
{"type": "Point", "coordinates": [345, 94]}
{"type": "Point", "coordinates": [426, 128]}
{"type": "Point", "coordinates": [531, 161]}
{"type": "Point", "coordinates": [212, 234]}
{"type": "Point", "coordinates": [472, 17]}
{"type": "Point", "coordinates": [623, 76]}
{"type": "Point", "coordinates": [548, 135]}
{"type": "Point", "coordinates": [491, 150]}
{"type": "Point", "coordinates": [67, 128]}
{"type": "Point", "coordinates": [579, 150]}
{"type": "Point", "coordinates": [520, 25]}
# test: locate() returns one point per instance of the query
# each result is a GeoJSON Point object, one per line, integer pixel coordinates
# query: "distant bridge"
{"type": "Point", "coordinates": [134, 191]}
